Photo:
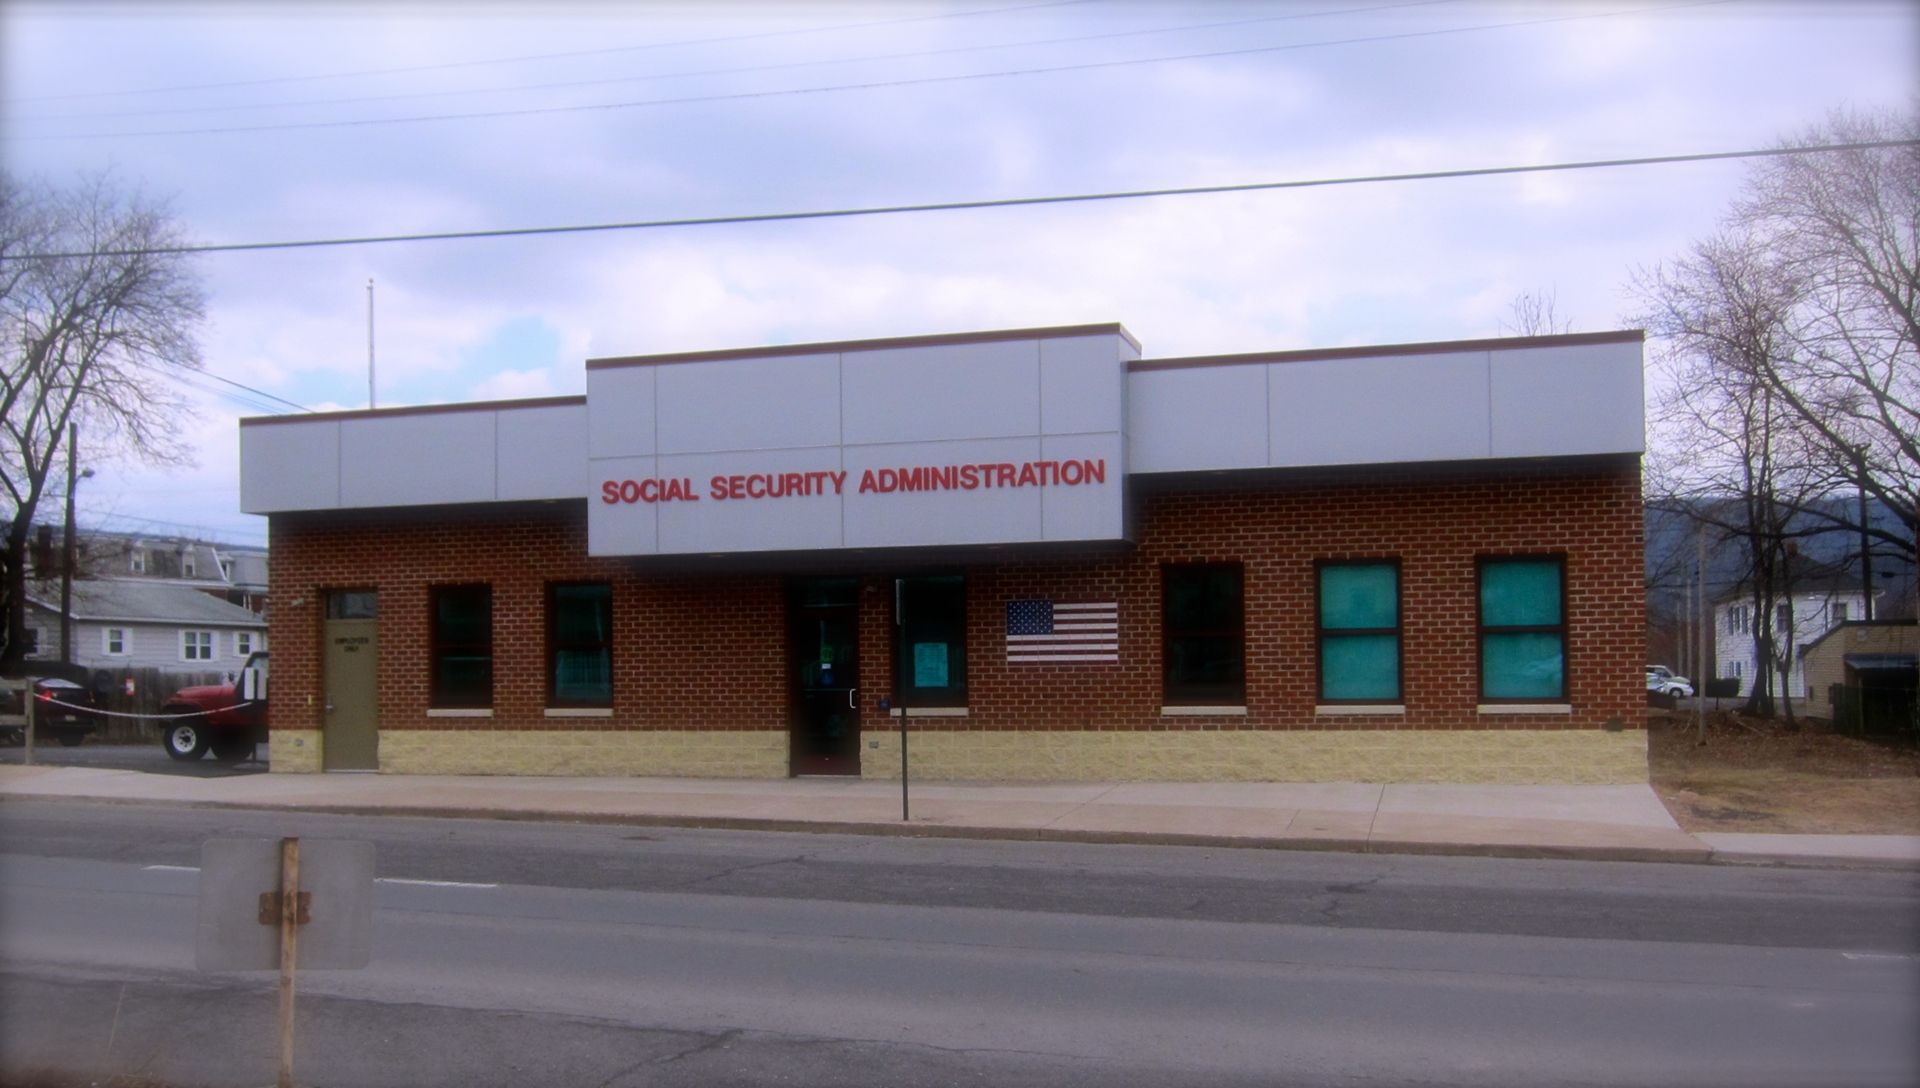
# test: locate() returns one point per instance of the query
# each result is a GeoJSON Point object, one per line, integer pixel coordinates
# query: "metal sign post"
{"type": "Point", "coordinates": [318, 909]}
{"type": "Point", "coordinates": [899, 681]}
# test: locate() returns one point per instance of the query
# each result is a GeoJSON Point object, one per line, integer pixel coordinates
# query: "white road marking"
{"type": "Point", "coordinates": [377, 880]}
{"type": "Point", "coordinates": [1876, 956]}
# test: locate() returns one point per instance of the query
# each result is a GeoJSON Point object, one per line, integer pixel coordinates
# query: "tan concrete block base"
{"type": "Point", "coordinates": [294, 751]}
{"type": "Point", "coordinates": [682, 753]}
{"type": "Point", "coordinates": [1545, 757]}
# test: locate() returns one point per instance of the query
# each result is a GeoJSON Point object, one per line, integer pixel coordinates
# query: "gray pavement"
{"type": "Point", "coordinates": [1617, 822]}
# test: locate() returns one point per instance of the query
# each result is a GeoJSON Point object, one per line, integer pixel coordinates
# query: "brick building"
{"type": "Point", "coordinates": [1407, 563]}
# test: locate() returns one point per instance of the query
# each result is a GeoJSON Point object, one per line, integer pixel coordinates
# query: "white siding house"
{"type": "Point", "coordinates": [1813, 614]}
{"type": "Point", "coordinates": [130, 624]}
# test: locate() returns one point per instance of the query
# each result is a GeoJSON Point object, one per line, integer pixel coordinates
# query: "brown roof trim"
{"type": "Point", "coordinates": [418, 410]}
{"type": "Point", "coordinates": [835, 347]}
{"type": "Point", "coordinates": [1437, 347]}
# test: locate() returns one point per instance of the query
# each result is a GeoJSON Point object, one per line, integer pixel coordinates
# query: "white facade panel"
{"type": "Point", "coordinates": [1082, 390]}
{"type": "Point", "coordinates": [902, 518]}
{"type": "Point", "coordinates": [941, 392]}
{"type": "Point", "coordinates": [541, 452]}
{"type": "Point", "coordinates": [748, 404]}
{"type": "Point", "coordinates": [630, 523]}
{"type": "Point", "coordinates": [417, 459]}
{"type": "Point", "coordinates": [1378, 411]}
{"type": "Point", "coordinates": [1196, 418]}
{"type": "Point", "coordinates": [620, 419]}
{"type": "Point", "coordinates": [1089, 510]}
{"type": "Point", "coordinates": [735, 510]}
{"type": "Point", "coordinates": [971, 439]}
{"type": "Point", "coordinates": [290, 466]}
{"type": "Point", "coordinates": [1563, 401]}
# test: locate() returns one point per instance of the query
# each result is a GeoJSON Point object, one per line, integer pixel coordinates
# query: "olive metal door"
{"type": "Point", "coordinates": [351, 721]}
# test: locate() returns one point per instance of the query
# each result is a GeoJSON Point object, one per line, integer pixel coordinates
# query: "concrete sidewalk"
{"type": "Point", "coordinates": [1625, 823]}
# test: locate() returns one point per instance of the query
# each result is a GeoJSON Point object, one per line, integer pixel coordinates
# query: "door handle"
{"type": "Point", "coordinates": [329, 706]}
{"type": "Point", "coordinates": [851, 705]}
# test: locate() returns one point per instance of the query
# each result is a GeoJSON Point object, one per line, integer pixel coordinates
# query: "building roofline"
{"type": "Point", "coordinates": [1433, 347]}
{"type": "Point", "coordinates": [53, 608]}
{"type": "Point", "coordinates": [418, 410]}
{"type": "Point", "coordinates": [832, 347]}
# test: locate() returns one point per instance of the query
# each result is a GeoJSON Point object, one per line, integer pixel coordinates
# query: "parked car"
{"type": "Point", "coordinates": [1662, 680]}
{"type": "Point", "coordinates": [218, 717]}
{"type": "Point", "coordinates": [65, 712]}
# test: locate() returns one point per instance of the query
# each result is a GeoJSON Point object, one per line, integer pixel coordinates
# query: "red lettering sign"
{"type": "Point", "coordinates": [989, 475]}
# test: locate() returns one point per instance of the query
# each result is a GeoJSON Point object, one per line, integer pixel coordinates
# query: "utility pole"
{"type": "Point", "coordinates": [69, 552]}
{"type": "Point", "coordinates": [1701, 612]}
{"type": "Point", "coordinates": [1866, 552]}
{"type": "Point", "coordinates": [370, 402]}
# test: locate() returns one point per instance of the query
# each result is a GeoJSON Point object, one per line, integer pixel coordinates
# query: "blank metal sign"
{"type": "Point", "coordinates": [234, 872]}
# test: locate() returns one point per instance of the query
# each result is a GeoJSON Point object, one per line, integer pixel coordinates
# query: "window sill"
{"type": "Point", "coordinates": [1203, 712]}
{"type": "Point", "coordinates": [459, 712]}
{"type": "Point", "coordinates": [579, 712]}
{"type": "Point", "coordinates": [934, 711]}
{"type": "Point", "coordinates": [1524, 708]}
{"type": "Point", "coordinates": [1350, 710]}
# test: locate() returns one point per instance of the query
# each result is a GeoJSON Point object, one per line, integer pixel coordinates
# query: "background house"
{"type": "Point", "coordinates": [1865, 675]}
{"type": "Point", "coordinates": [1829, 574]}
{"type": "Point", "coordinates": [124, 624]}
{"type": "Point", "coordinates": [149, 615]}
{"type": "Point", "coordinates": [1814, 607]}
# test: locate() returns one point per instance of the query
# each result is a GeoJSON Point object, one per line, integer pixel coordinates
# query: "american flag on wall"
{"type": "Point", "coordinates": [1044, 632]}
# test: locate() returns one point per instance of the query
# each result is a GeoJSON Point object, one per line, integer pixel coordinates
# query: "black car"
{"type": "Point", "coordinates": [54, 716]}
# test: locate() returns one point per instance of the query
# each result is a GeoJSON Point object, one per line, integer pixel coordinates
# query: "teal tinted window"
{"type": "Point", "coordinates": [1359, 610]}
{"type": "Point", "coordinates": [1526, 667]}
{"type": "Point", "coordinates": [1360, 668]}
{"type": "Point", "coordinates": [1523, 636]}
{"type": "Point", "coordinates": [1359, 596]}
{"type": "Point", "coordinates": [934, 670]}
{"type": "Point", "coordinates": [580, 641]}
{"type": "Point", "coordinates": [1520, 593]}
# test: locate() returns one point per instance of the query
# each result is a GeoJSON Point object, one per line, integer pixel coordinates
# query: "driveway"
{"type": "Point", "coordinates": [132, 757]}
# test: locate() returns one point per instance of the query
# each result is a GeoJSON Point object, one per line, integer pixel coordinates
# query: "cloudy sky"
{"type": "Point", "coordinates": [270, 122]}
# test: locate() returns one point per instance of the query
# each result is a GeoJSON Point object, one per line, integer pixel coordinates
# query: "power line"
{"type": "Point", "coordinates": [251, 389]}
{"type": "Point", "coordinates": [972, 205]}
{"type": "Point", "coordinates": [890, 84]}
{"type": "Point", "coordinates": [604, 51]}
{"type": "Point", "coordinates": [570, 84]}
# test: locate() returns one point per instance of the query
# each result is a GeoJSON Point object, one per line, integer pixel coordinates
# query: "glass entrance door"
{"type": "Point", "coordinates": [824, 640]}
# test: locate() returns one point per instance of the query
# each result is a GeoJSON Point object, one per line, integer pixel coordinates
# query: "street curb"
{"type": "Point", "coordinates": [1814, 861]}
{"type": "Point", "coordinates": [1519, 851]}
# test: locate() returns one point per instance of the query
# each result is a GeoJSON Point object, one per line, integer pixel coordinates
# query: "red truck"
{"type": "Point", "coordinates": [229, 719]}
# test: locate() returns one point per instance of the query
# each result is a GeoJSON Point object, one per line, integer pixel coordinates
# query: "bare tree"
{"type": "Point", "coordinates": [96, 325]}
{"type": "Point", "coordinates": [1844, 227]}
{"type": "Point", "coordinates": [1728, 450]}
{"type": "Point", "coordinates": [1792, 357]}
{"type": "Point", "coordinates": [1533, 313]}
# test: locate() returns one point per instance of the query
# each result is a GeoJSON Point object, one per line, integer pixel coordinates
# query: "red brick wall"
{"type": "Point", "coordinates": [709, 651]}
{"type": "Point", "coordinates": [689, 651]}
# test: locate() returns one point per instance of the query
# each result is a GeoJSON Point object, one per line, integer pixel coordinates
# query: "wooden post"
{"type": "Point", "coordinates": [27, 700]}
{"type": "Point", "coordinates": [289, 950]}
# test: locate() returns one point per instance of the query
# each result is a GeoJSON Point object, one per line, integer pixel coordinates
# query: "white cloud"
{"type": "Point", "coordinates": [1189, 275]}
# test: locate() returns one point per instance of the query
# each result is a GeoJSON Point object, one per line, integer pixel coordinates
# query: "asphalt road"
{"type": "Point", "coordinates": [518, 954]}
